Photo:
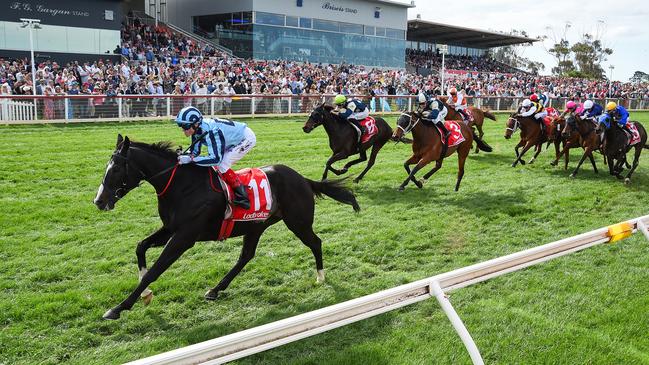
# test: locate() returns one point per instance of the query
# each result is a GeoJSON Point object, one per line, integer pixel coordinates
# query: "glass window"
{"type": "Point", "coordinates": [246, 17]}
{"type": "Point", "coordinates": [292, 21]}
{"type": "Point", "coordinates": [369, 30]}
{"type": "Point", "coordinates": [380, 32]}
{"type": "Point", "coordinates": [269, 18]}
{"type": "Point", "coordinates": [350, 28]}
{"type": "Point", "coordinates": [325, 25]}
{"type": "Point", "coordinates": [395, 33]}
{"type": "Point", "coordinates": [305, 22]}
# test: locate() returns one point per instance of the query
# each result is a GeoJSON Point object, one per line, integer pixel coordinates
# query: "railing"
{"type": "Point", "coordinates": [271, 335]}
{"type": "Point", "coordinates": [75, 108]}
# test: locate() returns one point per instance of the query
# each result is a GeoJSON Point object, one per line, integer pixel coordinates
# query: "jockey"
{"type": "Point", "coordinates": [571, 108]}
{"type": "Point", "coordinates": [591, 110]}
{"type": "Point", "coordinates": [530, 107]}
{"type": "Point", "coordinates": [543, 99]}
{"type": "Point", "coordinates": [226, 143]}
{"type": "Point", "coordinates": [619, 114]}
{"type": "Point", "coordinates": [458, 102]}
{"type": "Point", "coordinates": [353, 110]}
{"type": "Point", "coordinates": [433, 111]}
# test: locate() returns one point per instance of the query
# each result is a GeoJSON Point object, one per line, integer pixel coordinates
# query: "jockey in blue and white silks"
{"type": "Point", "coordinates": [591, 110]}
{"type": "Point", "coordinates": [433, 111]}
{"type": "Point", "coordinates": [226, 142]}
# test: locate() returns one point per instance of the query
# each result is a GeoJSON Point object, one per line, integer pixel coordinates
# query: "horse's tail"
{"type": "Point", "coordinates": [489, 114]}
{"type": "Point", "coordinates": [482, 145]}
{"type": "Point", "coordinates": [335, 190]}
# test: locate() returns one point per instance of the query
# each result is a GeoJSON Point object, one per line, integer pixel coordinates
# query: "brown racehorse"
{"type": "Point", "coordinates": [587, 138]}
{"type": "Point", "coordinates": [479, 116]}
{"type": "Point", "coordinates": [557, 127]}
{"type": "Point", "coordinates": [531, 136]}
{"type": "Point", "coordinates": [427, 146]}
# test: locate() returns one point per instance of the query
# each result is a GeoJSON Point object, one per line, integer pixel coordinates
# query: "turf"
{"type": "Point", "coordinates": [63, 262]}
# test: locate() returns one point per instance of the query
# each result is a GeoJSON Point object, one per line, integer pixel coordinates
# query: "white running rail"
{"type": "Point", "coordinates": [258, 339]}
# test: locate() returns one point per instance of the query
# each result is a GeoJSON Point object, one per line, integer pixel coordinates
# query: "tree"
{"type": "Point", "coordinates": [589, 55]}
{"type": "Point", "coordinates": [561, 51]}
{"type": "Point", "coordinates": [513, 55]}
{"type": "Point", "coordinates": [639, 77]}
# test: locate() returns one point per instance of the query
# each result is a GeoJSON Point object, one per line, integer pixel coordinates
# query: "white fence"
{"type": "Point", "coordinates": [258, 339]}
{"type": "Point", "coordinates": [16, 110]}
{"type": "Point", "coordinates": [75, 108]}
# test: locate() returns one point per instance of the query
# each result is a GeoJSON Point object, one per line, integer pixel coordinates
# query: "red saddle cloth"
{"type": "Point", "coordinates": [635, 138]}
{"type": "Point", "coordinates": [553, 113]}
{"type": "Point", "coordinates": [259, 193]}
{"type": "Point", "coordinates": [370, 129]}
{"type": "Point", "coordinates": [469, 113]}
{"type": "Point", "coordinates": [456, 137]}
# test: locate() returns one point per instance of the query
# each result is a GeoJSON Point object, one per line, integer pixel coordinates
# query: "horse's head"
{"type": "Point", "coordinates": [118, 179]}
{"type": "Point", "coordinates": [512, 125]}
{"type": "Point", "coordinates": [405, 123]}
{"type": "Point", "coordinates": [318, 116]}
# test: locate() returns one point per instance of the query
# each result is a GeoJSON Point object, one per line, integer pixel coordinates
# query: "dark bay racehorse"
{"type": "Point", "coordinates": [343, 140]}
{"type": "Point", "coordinates": [616, 148]}
{"type": "Point", "coordinates": [479, 116]}
{"type": "Point", "coordinates": [427, 146]}
{"type": "Point", "coordinates": [192, 209]}
{"type": "Point", "coordinates": [587, 138]}
{"type": "Point", "coordinates": [531, 136]}
{"type": "Point", "coordinates": [560, 138]}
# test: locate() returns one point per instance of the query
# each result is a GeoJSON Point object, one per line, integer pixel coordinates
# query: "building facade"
{"type": "Point", "coordinates": [365, 32]}
{"type": "Point", "coordinates": [69, 29]}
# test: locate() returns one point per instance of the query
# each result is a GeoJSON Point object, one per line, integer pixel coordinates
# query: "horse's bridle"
{"type": "Point", "coordinates": [516, 125]}
{"type": "Point", "coordinates": [410, 125]}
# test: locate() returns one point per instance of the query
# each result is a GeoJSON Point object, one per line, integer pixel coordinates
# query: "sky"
{"type": "Point", "coordinates": [623, 25]}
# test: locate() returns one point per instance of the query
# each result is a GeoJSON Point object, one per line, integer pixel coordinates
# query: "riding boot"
{"type": "Point", "coordinates": [464, 115]}
{"type": "Point", "coordinates": [240, 193]}
{"type": "Point", "coordinates": [446, 132]}
{"type": "Point", "coordinates": [358, 125]}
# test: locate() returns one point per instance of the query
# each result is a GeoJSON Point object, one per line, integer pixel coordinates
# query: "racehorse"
{"type": "Point", "coordinates": [478, 117]}
{"type": "Point", "coordinates": [559, 137]}
{"type": "Point", "coordinates": [616, 147]}
{"type": "Point", "coordinates": [427, 146]}
{"type": "Point", "coordinates": [587, 138]}
{"type": "Point", "coordinates": [343, 140]}
{"type": "Point", "coordinates": [531, 136]}
{"type": "Point", "coordinates": [192, 209]}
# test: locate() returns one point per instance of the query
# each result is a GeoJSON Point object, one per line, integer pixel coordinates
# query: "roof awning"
{"type": "Point", "coordinates": [431, 32]}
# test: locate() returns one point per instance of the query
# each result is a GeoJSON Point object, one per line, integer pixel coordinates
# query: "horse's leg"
{"type": "Point", "coordinates": [636, 158]}
{"type": "Point", "coordinates": [158, 238]}
{"type": "Point", "coordinates": [528, 145]}
{"type": "Point", "coordinates": [302, 226]}
{"type": "Point", "coordinates": [375, 151]}
{"type": "Point", "coordinates": [461, 159]}
{"type": "Point", "coordinates": [335, 157]}
{"type": "Point", "coordinates": [538, 149]}
{"type": "Point", "coordinates": [177, 245]}
{"type": "Point", "coordinates": [406, 165]}
{"type": "Point", "coordinates": [583, 157]}
{"type": "Point", "coordinates": [250, 241]}
{"type": "Point", "coordinates": [592, 162]}
{"type": "Point", "coordinates": [557, 153]}
{"type": "Point", "coordinates": [362, 157]}
{"type": "Point", "coordinates": [420, 164]}
{"type": "Point", "coordinates": [480, 134]}
{"type": "Point", "coordinates": [519, 145]}
{"type": "Point", "coordinates": [566, 151]}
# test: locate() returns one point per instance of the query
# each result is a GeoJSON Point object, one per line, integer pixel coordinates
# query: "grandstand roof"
{"type": "Point", "coordinates": [431, 32]}
{"type": "Point", "coordinates": [395, 3]}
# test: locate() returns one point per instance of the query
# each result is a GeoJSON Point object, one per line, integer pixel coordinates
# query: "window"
{"type": "Point", "coordinates": [305, 22]}
{"type": "Point", "coordinates": [350, 28]}
{"type": "Point", "coordinates": [380, 32]}
{"type": "Point", "coordinates": [269, 18]}
{"type": "Point", "coordinates": [395, 33]}
{"type": "Point", "coordinates": [325, 25]}
{"type": "Point", "coordinates": [292, 21]}
{"type": "Point", "coordinates": [369, 30]}
{"type": "Point", "coordinates": [299, 3]}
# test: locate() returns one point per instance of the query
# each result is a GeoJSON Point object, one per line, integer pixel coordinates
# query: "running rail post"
{"type": "Point", "coordinates": [457, 323]}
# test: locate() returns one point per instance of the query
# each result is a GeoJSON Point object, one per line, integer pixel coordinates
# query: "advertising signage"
{"type": "Point", "coordinates": [104, 14]}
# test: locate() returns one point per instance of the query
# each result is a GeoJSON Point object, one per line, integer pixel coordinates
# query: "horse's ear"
{"type": "Point", "coordinates": [125, 146]}
{"type": "Point", "coordinates": [119, 140]}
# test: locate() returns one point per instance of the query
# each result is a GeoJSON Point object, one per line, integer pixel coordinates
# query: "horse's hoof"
{"type": "Point", "coordinates": [627, 181]}
{"type": "Point", "coordinates": [554, 163]}
{"type": "Point", "coordinates": [111, 314]}
{"type": "Point", "coordinates": [531, 161]}
{"type": "Point", "coordinates": [146, 299]}
{"type": "Point", "coordinates": [620, 177]}
{"type": "Point", "coordinates": [523, 162]}
{"type": "Point", "coordinates": [419, 184]}
{"type": "Point", "coordinates": [572, 176]}
{"type": "Point", "coordinates": [357, 180]}
{"type": "Point", "coordinates": [320, 276]}
{"type": "Point", "coordinates": [211, 294]}
{"type": "Point", "coordinates": [401, 188]}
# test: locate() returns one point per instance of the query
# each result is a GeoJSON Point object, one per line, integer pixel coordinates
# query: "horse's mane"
{"type": "Point", "coordinates": [163, 149]}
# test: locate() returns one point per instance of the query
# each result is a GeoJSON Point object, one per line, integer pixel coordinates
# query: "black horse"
{"type": "Point", "coordinates": [192, 208]}
{"type": "Point", "coordinates": [343, 140]}
{"type": "Point", "coordinates": [616, 147]}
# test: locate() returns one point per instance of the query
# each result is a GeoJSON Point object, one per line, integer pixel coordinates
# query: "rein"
{"type": "Point", "coordinates": [516, 125]}
{"type": "Point", "coordinates": [410, 125]}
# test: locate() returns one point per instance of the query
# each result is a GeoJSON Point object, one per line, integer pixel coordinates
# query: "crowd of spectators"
{"type": "Point", "coordinates": [157, 61]}
{"type": "Point", "coordinates": [432, 60]}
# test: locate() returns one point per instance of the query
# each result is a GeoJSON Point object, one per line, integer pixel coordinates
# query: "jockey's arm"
{"type": "Point", "coordinates": [345, 113]}
{"type": "Point", "coordinates": [529, 112]}
{"type": "Point", "coordinates": [213, 149]}
{"type": "Point", "coordinates": [460, 97]}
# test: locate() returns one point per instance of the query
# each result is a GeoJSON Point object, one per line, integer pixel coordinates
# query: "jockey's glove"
{"type": "Point", "coordinates": [185, 159]}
